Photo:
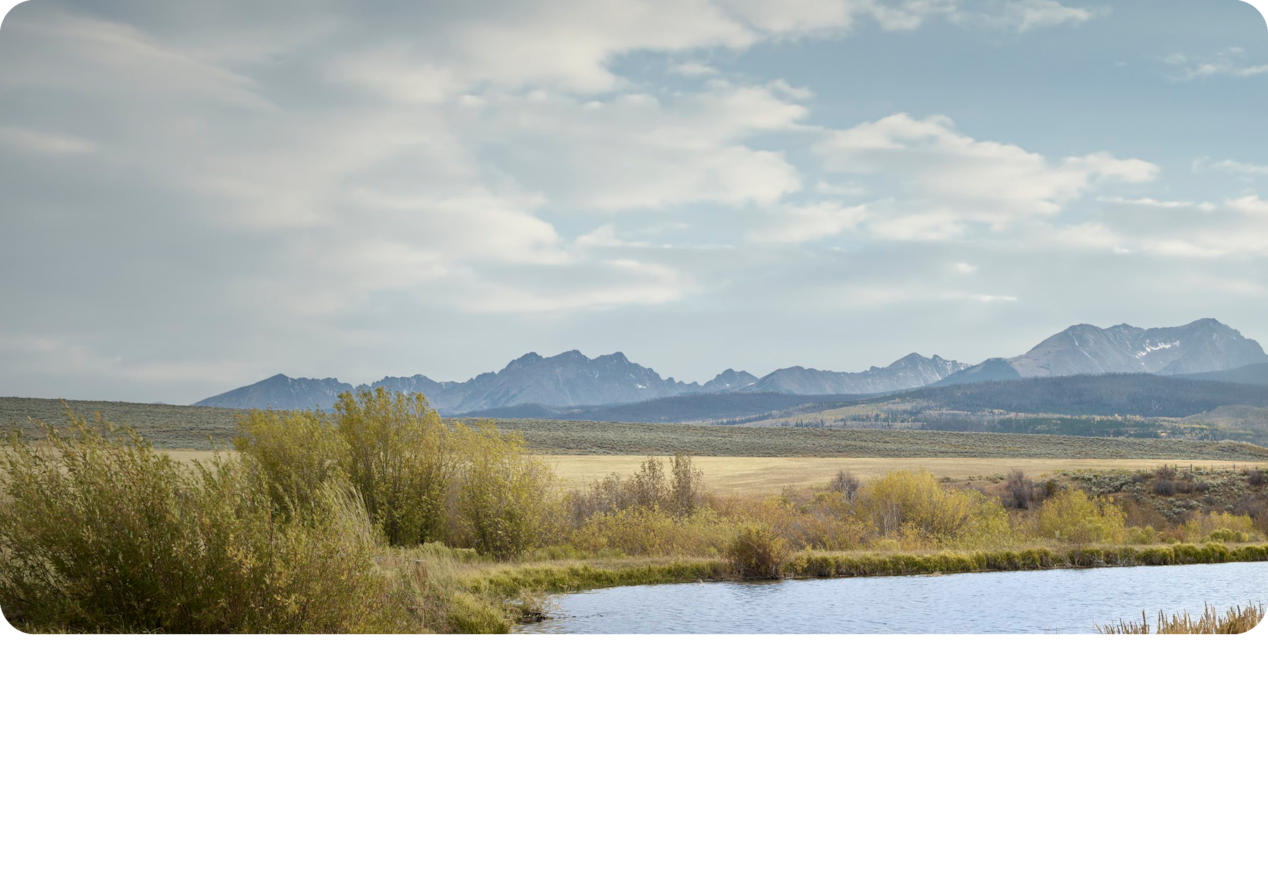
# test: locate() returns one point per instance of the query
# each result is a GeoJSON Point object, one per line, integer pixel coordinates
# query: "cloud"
{"type": "Point", "coordinates": [85, 45]}
{"type": "Point", "coordinates": [1019, 16]}
{"type": "Point", "coordinates": [949, 180]}
{"type": "Point", "coordinates": [1238, 168]}
{"type": "Point", "coordinates": [40, 142]}
{"type": "Point", "coordinates": [1228, 62]}
{"type": "Point", "coordinates": [1234, 229]}
{"type": "Point", "coordinates": [793, 224]}
{"type": "Point", "coordinates": [637, 151]}
{"type": "Point", "coordinates": [692, 70]}
{"type": "Point", "coordinates": [1026, 15]}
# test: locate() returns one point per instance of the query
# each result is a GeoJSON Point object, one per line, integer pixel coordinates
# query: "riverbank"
{"type": "Point", "coordinates": [477, 596]}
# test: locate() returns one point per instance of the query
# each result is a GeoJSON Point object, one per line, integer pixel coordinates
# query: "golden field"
{"type": "Point", "coordinates": [748, 475]}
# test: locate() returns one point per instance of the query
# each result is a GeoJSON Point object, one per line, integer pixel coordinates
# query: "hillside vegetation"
{"type": "Point", "coordinates": [192, 427]}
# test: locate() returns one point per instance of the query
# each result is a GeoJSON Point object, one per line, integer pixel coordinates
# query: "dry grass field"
{"type": "Point", "coordinates": [749, 475]}
{"type": "Point", "coordinates": [772, 474]}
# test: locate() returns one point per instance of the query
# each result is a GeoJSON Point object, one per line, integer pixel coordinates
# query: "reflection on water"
{"type": "Point", "coordinates": [1057, 601]}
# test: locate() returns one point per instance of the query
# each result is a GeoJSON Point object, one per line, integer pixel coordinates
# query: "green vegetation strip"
{"type": "Point", "coordinates": [575, 576]}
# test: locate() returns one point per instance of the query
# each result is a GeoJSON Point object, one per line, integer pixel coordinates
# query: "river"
{"type": "Point", "coordinates": [1055, 601]}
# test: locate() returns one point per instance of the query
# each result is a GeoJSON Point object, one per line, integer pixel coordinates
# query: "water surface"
{"type": "Point", "coordinates": [1054, 601]}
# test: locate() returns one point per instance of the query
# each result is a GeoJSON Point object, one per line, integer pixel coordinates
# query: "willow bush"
{"type": "Point", "coordinates": [298, 451]}
{"type": "Point", "coordinates": [913, 508]}
{"type": "Point", "coordinates": [402, 459]}
{"type": "Point", "coordinates": [1073, 517]}
{"type": "Point", "coordinates": [99, 532]}
{"type": "Point", "coordinates": [504, 501]}
{"type": "Point", "coordinates": [421, 480]}
{"type": "Point", "coordinates": [758, 552]}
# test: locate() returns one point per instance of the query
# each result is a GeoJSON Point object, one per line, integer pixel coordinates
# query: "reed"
{"type": "Point", "coordinates": [1210, 622]}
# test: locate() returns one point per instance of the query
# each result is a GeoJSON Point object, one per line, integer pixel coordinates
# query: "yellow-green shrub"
{"type": "Point", "coordinates": [757, 552]}
{"type": "Point", "coordinates": [505, 500]}
{"type": "Point", "coordinates": [912, 506]}
{"type": "Point", "coordinates": [1074, 517]}
{"type": "Point", "coordinates": [421, 480]}
{"type": "Point", "coordinates": [298, 451]}
{"type": "Point", "coordinates": [99, 532]}
{"type": "Point", "coordinates": [1219, 527]}
{"type": "Point", "coordinates": [399, 458]}
{"type": "Point", "coordinates": [653, 533]}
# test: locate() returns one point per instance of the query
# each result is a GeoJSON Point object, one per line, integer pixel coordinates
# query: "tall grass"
{"type": "Point", "coordinates": [1235, 620]}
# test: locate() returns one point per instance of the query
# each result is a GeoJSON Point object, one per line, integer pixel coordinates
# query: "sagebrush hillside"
{"type": "Point", "coordinates": [197, 427]}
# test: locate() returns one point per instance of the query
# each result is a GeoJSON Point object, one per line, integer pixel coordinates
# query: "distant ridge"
{"type": "Point", "coordinates": [571, 380]}
{"type": "Point", "coordinates": [1254, 374]}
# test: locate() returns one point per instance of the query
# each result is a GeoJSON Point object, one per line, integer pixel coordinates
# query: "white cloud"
{"type": "Point", "coordinates": [964, 269]}
{"type": "Point", "coordinates": [1236, 228]}
{"type": "Point", "coordinates": [793, 224]}
{"type": "Point", "coordinates": [1019, 16]}
{"type": "Point", "coordinates": [1239, 168]}
{"type": "Point", "coordinates": [1228, 62]}
{"type": "Point", "coordinates": [1025, 15]}
{"type": "Point", "coordinates": [634, 151]}
{"type": "Point", "coordinates": [841, 189]}
{"type": "Point", "coordinates": [950, 180]}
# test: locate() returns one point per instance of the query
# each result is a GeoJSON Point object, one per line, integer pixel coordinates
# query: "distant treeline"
{"type": "Point", "coordinates": [673, 410]}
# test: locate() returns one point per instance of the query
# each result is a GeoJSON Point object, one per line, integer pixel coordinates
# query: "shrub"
{"type": "Point", "coordinates": [1142, 536]}
{"type": "Point", "coordinates": [645, 532]}
{"type": "Point", "coordinates": [681, 493]}
{"type": "Point", "coordinates": [846, 484]}
{"type": "Point", "coordinates": [1072, 516]}
{"type": "Point", "coordinates": [399, 456]}
{"type": "Point", "coordinates": [101, 533]}
{"type": "Point", "coordinates": [1226, 535]}
{"type": "Point", "coordinates": [505, 501]}
{"type": "Point", "coordinates": [757, 552]}
{"type": "Point", "coordinates": [1019, 490]}
{"type": "Point", "coordinates": [1219, 527]}
{"type": "Point", "coordinates": [299, 452]}
{"type": "Point", "coordinates": [914, 507]}
{"type": "Point", "coordinates": [686, 486]}
{"type": "Point", "coordinates": [1256, 478]}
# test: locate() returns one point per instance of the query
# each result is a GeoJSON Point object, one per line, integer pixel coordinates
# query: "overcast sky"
{"type": "Point", "coordinates": [196, 196]}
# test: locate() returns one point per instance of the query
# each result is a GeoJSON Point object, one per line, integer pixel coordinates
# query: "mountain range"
{"type": "Point", "coordinates": [572, 380]}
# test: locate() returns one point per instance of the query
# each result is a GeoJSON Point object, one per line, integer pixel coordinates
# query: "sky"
{"type": "Point", "coordinates": [194, 197]}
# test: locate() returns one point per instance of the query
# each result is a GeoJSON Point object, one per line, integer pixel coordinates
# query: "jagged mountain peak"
{"type": "Point", "coordinates": [1204, 345]}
